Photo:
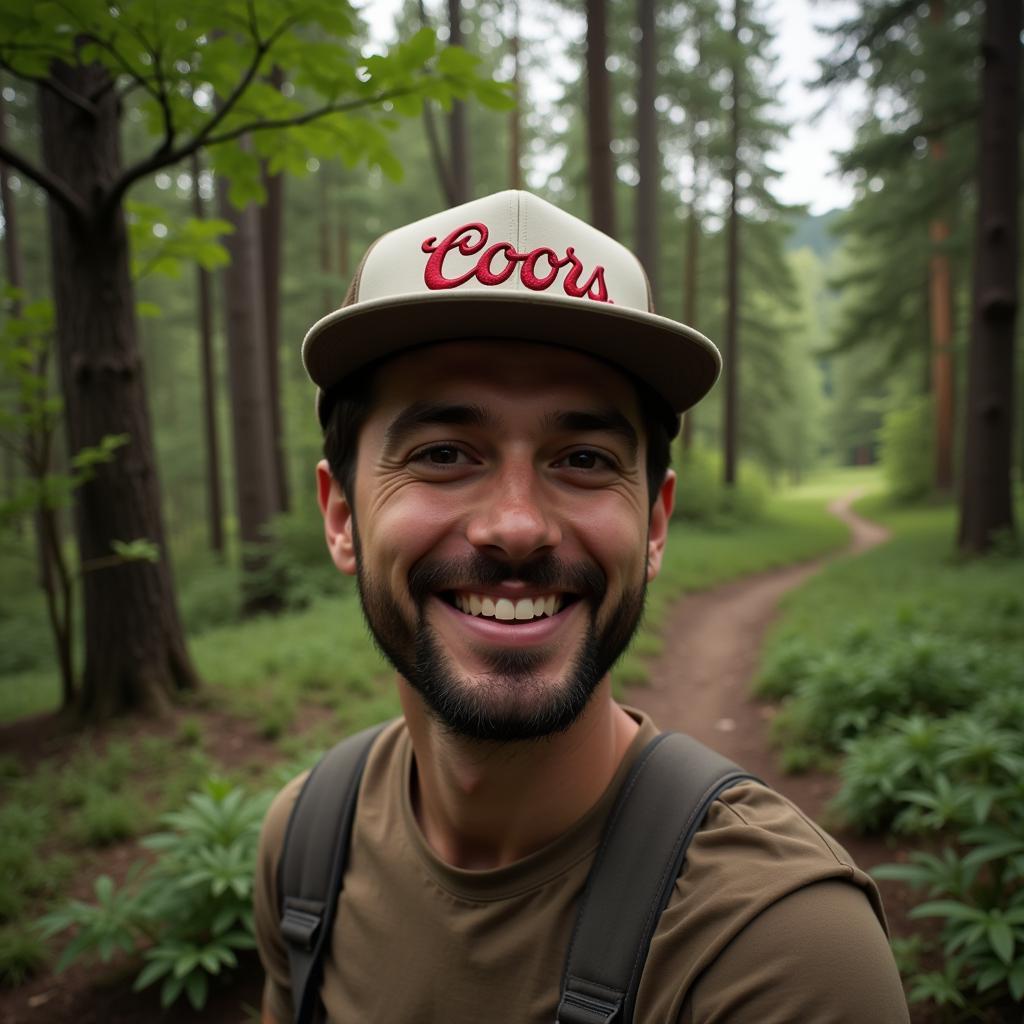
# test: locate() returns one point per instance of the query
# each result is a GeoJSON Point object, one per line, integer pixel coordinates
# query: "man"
{"type": "Point", "coordinates": [498, 402]}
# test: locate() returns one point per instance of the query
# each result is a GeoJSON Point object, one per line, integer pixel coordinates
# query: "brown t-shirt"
{"type": "Point", "coordinates": [770, 921]}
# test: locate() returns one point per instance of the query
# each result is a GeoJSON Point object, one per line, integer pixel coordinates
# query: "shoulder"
{"type": "Point", "coordinates": [266, 898]}
{"type": "Point", "coordinates": [763, 883]}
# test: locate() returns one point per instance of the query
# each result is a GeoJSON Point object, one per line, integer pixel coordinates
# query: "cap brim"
{"type": "Point", "coordinates": [678, 362]}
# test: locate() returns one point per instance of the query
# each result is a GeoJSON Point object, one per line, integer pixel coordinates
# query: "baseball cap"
{"type": "Point", "coordinates": [509, 266]}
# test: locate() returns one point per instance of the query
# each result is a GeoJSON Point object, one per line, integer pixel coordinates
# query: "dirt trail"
{"type": "Point", "coordinates": [701, 682]}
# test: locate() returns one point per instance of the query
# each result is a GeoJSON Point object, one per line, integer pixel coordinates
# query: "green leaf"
{"type": "Point", "coordinates": [949, 909]}
{"type": "Point", "coordinates": [1000, 935]}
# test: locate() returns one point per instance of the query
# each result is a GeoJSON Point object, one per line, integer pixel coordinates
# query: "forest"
{"type": "Point", "coordinates": [185, 191]}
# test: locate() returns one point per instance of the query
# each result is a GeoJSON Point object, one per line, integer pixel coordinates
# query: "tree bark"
{"type": "Point", "coordinates": [647, 147]}
{"type": "Point", "coordinates": [135, 654]}
{"type": "Point", "coordinates": [208, 375]}
{"type": "Point", "coordinates": [940, 306]}
{"type": "Point", "coordinates": [515, 123]}
{"type": "Point", "coordinates": [458, 132]}
{"type": "Point", "coordinates": [732, 294]}
{"type": "Point", "coordinates": [986, 506]}
{"type": "Point", "coordinates": [271, 214]}
{"type": "Point", "coordinates": [599, 131]}
{"type": "Point", "coordinates": [690, 297]}
{"type": "Point", "coordinates": [251, 416]}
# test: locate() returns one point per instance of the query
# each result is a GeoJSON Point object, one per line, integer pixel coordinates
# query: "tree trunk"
{"type": "Point", "coordinates": [135, 654]}
{"type": "Point", "coordinates": [270, 265]}
{"type": "Point", "coordinates": [251, 416]}
{"type": "Point", "coordinates": [599, 131]}
{"type": "Point", "coordinates": [986, 506]}
{"type": "Point", "coordinates": [329, 300]}
{"type": "Point", "coordinates": [732, 296]}
{"type": "Point", "coordinates": [647, 147]}
{"type": "Point", "coordinates": [458, 133]}
{"type": "Point", "coordinates": [207, 371]}
{"type": "Point", "coordinates": [515, 122]}
{"type": "Point", "coordinates": [940, 306]}
{"type": "Point", "coordinates": [690, 297]}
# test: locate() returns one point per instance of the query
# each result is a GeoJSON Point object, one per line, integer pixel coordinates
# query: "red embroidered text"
{"type": "Point", "coordinates": [538, 268]}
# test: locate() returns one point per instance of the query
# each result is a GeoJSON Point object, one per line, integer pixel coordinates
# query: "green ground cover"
{"type": "Point", "coordinates": [904, 669]}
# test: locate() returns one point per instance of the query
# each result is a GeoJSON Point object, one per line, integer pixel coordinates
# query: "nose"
{"type": "Point", "coordinates": [512, 516]}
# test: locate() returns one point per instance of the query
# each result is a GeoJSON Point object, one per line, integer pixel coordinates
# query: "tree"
{"type": "Point", "coordinates": [913, 161]}
{"type": "Point", "coordinates": [214, 488]}
{"type": "Point", "coordinates": [986, 507]}
{"type": "Point", "coordinates": [598, 110]}
{"type": "Point", "coordinates": [648, 160]}
{"type": "Point", "coordinates": [88, 61]}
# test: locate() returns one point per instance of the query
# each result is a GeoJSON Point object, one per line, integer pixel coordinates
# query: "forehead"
{"type": "Point", "coordinates": [521, 372]}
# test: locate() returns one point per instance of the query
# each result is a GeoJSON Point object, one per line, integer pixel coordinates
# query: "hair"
{"type": "Point", "coordinates": [348, 405]}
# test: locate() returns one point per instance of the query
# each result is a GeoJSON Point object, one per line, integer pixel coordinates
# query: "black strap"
{"type": "Point", "coordinates": [661, 806]}
{"type": "Point", "coordinates": [313, 862]}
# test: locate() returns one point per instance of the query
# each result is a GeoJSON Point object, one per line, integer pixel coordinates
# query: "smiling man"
{"type": "Point", "coordinates": [498, 402]}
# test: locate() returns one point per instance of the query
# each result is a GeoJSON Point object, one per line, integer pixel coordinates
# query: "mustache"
{"type": "Point", "coordinates": [428, 576]}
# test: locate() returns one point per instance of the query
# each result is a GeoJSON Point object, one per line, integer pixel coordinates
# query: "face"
{"type": "Point", "coordinates": [502, 532]}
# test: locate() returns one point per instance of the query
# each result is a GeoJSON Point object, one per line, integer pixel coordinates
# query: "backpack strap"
{"type": "Point", "coordinates": [661, 806]}
{"type": "Point", "coordinates": [313, 862]}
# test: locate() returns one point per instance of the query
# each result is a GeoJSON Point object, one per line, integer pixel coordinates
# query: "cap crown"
{"type": "Point", "coordinates": [508, 242]}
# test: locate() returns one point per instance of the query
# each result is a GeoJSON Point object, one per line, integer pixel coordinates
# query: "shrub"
{"type": "Point", "coordinates": [105, 818]}
{"type": "Point", "coordinates": [295, 568]}
{"type": "Point", "coordinates": [190, 910]}
{"type": "Point", "coordinates": [976, 889]}
{"type": "Point", "coordinates": [907, 437]}
{"type": "Point", "coordinates": [702, 497]}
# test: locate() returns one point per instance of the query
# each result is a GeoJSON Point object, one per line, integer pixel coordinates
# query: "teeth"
{"type": "Point", "coordinates": [505, 610]}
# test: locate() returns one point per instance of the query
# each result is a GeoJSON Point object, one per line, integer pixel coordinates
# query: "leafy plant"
{"type": "Point", "coordinates": [191, 909]}
{"type": "Point", "coordinates": [977, 890]}
{"type": "Point", "coordinates": [22, 954]}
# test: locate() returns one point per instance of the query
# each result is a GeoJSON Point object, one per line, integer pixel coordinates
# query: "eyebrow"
{"type": "Point", "coordinates": [608, 421]}
{"type": "Point", "coordinates": [452, 414]}
{"type": "Point", "coordinates": [424, 413]}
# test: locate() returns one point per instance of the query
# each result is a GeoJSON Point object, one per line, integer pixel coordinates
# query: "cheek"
{"type": "Point", "coordinates": [405, 527]}
{"type": "Point", "coordinates": [617, 541]}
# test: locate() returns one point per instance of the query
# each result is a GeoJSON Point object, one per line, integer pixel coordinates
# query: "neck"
{"type": "Point", "coordinates": [486, 805]}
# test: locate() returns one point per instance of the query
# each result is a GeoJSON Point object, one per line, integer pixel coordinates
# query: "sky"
{"type": "Point", "coordinates": [806, 161]}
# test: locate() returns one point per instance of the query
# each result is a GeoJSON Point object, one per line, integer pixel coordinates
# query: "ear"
{"type": "Point", "coordinates": [657, 531]}
{"type": "Point", "coordinates": [338, 523]}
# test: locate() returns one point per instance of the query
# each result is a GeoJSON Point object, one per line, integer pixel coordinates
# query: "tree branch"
{"type": "Point", "coordinates": [56, 87]}
{"type": "Point", "coordinates": [164, 158]}
{"type": "Point", "coordinates": [51, 185]}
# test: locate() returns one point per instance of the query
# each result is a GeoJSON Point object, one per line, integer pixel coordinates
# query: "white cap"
{"type": "Point", "coordinates": [511, 267]}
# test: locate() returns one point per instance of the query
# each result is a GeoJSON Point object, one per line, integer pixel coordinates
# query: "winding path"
{"type": "Point", "coordinates": [700, 684]}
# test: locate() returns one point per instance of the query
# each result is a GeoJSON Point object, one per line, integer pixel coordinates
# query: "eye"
{"type": "Point", "coordinates": [587, 459]}
{"type": "Point", "coordinates": [440, 455]}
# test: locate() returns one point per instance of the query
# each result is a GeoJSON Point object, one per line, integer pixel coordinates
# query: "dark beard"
{"type": "Point", "coordinates": [511, 702]}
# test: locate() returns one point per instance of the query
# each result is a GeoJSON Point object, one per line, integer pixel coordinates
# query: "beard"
{"type": "Point", "coordinates": [510, 700]}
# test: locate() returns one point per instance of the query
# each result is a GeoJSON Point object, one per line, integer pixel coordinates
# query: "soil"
{"type": "Point", "coordinates": [699, 685]}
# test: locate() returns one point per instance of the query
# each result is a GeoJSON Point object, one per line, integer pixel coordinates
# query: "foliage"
{"type": "Point", "coordinates": [201, 81]}
{"type": "Point", "coordinates": [701, 497]}
{"type": "Point", "coordinates": [908, 449]}
{"type": "Point", "coordinates": [924, 694]}
{"type": "Point", "coordinates": [296, 569]}
{"type": "Point", "coordinates": [22, 955]}
{"type": "Point", "coordinates": [190, 910]}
